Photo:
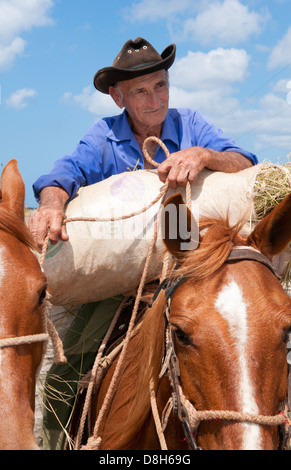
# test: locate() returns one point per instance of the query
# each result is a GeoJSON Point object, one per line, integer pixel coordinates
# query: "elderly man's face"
{"type": "Point", "coordinates": [146, 98]}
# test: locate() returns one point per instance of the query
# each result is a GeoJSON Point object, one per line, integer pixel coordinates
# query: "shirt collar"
{"type": "Point", "coordinates": [121, 129]}
{"type": "Point", "coordinates": [169, 131]}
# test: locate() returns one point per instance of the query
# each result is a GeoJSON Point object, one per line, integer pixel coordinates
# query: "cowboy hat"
{"type": "Point", "coordinates": [135, 59]}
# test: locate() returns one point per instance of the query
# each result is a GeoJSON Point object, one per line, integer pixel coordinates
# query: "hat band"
{"type": "Point", "coordinates": [146, 64]}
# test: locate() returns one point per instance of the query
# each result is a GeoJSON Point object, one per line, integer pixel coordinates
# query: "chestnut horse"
{"type": "Point", "coordinates": [22, 291]}
{"type": "Point", "coordinates": [229, 318]}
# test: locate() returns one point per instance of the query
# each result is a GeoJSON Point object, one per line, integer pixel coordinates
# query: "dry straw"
{"type": "Point", "coordinates": [272, 185]}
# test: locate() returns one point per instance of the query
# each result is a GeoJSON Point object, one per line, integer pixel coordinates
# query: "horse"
{"type": "Point", "coordinates": [227, 318]}
{"type": "Point", "coordinates": [22, 337]}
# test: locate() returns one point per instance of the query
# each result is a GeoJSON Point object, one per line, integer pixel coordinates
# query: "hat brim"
{"type": "Point", "coordinates": [108, 76]}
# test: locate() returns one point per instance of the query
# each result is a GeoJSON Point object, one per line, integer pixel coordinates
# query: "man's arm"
{"type": "Point", "coordinates": [50, 215]}
{"type": "Point", "coordinates": [187, 164]}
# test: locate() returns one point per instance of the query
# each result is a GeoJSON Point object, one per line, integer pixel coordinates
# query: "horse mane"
{"type": "Point", "coordinates": [198, 264]}
{"type": "Point", "coordinates": [219, 238]}
{"type": "Point", "coordinates": [13, 225]}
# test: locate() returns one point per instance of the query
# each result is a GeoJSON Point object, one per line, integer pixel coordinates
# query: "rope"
{"type": "Point", "coordinates": [57, 344]}
{"type": "Point", "coordinates": [159, 427]}
{"type": "Point", "coordinates": [150, 160]}
{"type": "Point", "coordinates": [28, 339]}
{"type": "Point", "coordinates": [95, 368]}
{"type": "Point", "coordinates": [195, 417]}
{"type": "Point", "coordinates": [156, 417]}
{"type": "Point", "coordinates": [95, 441]}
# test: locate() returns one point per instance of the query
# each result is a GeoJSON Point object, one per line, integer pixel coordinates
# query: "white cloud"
{"type": "Point", "coordinates": [229, 22]}
{"type": "Point", "coordinates": [93, 101]}
{"type": "Point", "coordinates": [267, 123]}
{"type": "Point", "coordinates": [205, 81]}
{"type": "Point", "coordinates": [281, 54]}
{"type": "Point", "coordinates": [215, 69]}
{"type": "Point", "coordinates": [9, 53]}
{"type": "Point", "coordinates": [16, 17]}
{"type": "Point", "coordinates": [19, 99]}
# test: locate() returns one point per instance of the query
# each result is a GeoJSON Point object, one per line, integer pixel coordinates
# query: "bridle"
{"type": "Point", "coordinates": [170, 366]}
{"type": "Point", "coordinates": [29, 339]}
{"type": "Point", "coordinates": [50, 333]}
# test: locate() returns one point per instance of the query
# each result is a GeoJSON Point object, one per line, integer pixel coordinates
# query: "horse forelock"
{"type": "Point", "coordinates": [216, 243]}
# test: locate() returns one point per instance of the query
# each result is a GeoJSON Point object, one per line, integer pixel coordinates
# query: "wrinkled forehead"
{"type": "Point", "coordinates": [143, 81]}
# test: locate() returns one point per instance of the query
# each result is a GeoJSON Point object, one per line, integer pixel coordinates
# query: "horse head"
{"type": "Point", "coordinates": [230, 319]}
{"type": "Point", "coordinates": [22, 292]}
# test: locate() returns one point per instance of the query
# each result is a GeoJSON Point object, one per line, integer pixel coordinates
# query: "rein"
{"type": "Point", "coordinates": [189, 417]}
{"type": "Point", "coordinates": [28, 339]}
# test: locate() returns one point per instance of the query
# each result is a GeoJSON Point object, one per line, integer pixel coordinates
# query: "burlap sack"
{"type": "Point", "coordinates": [102, 259]}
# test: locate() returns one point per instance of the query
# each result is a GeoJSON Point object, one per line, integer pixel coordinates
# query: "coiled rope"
{"type": "Point", "coordinates": [95, 441]}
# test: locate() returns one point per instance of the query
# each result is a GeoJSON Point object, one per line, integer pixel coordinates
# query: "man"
{"type": "Point", "coordinates": [138, 82]}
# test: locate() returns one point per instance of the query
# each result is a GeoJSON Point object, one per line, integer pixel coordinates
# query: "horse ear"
{"type": "Point", "coordinates": [273, 233]}
{"type": "Point", "coordinates": [179, 228]}
{"type": "Point", "coordinates": [12, 189]}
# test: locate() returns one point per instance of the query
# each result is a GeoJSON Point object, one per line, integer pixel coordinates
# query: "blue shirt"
{"type": "Point", "coordinates": [110, 147]}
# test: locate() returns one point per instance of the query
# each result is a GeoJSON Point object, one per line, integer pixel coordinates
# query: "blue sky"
{"type": "Point", "coordinates": [233, 64]}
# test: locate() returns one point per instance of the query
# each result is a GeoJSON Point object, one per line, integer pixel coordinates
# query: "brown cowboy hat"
{"type": "Point", "coordinates": [135, 59]}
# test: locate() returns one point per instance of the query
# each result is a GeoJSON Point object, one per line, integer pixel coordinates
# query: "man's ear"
{"type": "Point", "coordinates": [115, 95]}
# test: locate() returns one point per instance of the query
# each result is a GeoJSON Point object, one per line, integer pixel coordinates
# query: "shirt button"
{"type": "Point", "coordinates": [138, 167]}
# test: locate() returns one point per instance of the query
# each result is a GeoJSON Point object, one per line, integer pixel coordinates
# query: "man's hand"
{"type": "Point", "coordinates": [49, 216]}
{"type": "Point", "coordinates": [182, 166]}
{"type": "Point", "coordinates": [185, 165]}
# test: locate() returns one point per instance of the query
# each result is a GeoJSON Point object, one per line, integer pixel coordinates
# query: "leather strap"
{"type": "Point", "coordinates": [241, 253]}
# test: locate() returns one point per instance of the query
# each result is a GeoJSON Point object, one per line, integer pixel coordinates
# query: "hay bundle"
{"type": "Point", "coordinates": [272, 185]}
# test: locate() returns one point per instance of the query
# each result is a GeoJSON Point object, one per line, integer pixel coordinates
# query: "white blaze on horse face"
{"type": "Point", "coordinates": [232, 307]}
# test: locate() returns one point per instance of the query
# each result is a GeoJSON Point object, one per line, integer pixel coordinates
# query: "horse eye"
{"type": "Point", "coordinates": [287, 336]}
{"type": "Point", "coordinates": [181, 337]}
{"type": "Point", "coordinates": [42, 296]}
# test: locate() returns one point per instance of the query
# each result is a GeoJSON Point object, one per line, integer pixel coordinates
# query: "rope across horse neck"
{"type": "Point", "coordinates": [28, 339]}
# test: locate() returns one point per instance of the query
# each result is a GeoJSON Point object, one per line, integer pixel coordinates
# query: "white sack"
{"type": "Point", "coordinates": [102, 259]}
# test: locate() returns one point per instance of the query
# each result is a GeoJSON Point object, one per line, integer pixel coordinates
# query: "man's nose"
{"type": "Point", "coordinates": [154, 100]}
